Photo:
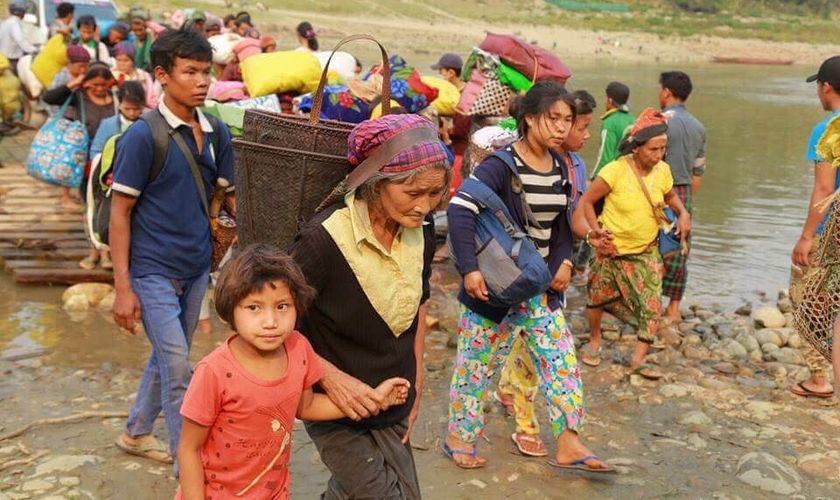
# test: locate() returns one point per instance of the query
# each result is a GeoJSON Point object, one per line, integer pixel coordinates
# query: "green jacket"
{"type": "Point", "coordinates": [143, 56]}
{"type": "Point", "coordinates": [614, 125]}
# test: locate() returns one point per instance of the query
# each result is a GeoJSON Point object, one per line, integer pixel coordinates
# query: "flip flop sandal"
{"type": "Point", "coordinates": [639, 370]}
{"type": "Point", "coordinates": [508, 406]}
{"type": "Point", "coordinates": [801, 390]}
{"type": "Point", "coordinates": [594, 356]}
{"type": "Point", "coordinates": [528, 439]}
{"type": "Point", "coordinates": [580, 464]}
{"type": "Point", "coordinates": [148, 451]}
{"type": "Point", "coordinates": [450, 453]}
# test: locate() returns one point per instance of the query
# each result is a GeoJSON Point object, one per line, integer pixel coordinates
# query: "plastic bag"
{"type": "Point", "coordinates": [50, 60]}
{"type": "Point", "coordinates": [281, 73]}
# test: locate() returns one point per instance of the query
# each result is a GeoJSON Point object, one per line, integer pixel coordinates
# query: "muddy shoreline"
{"type": "Point", "coordinates": [721, 425]}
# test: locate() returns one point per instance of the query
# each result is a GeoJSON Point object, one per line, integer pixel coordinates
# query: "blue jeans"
{"type": "Point", "coordinates": [170, 315]}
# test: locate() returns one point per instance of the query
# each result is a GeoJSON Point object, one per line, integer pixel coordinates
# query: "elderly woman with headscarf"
{"type": "Point", "coordinates": [369, 258]}
{"type": "Point", "coordinates": [626, 274]}
{"type": "Point", "coordinates": [125, 71]}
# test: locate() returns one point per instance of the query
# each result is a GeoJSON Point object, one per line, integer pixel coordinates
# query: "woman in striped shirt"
{"type": "Point", "coordinates": [486, 332]}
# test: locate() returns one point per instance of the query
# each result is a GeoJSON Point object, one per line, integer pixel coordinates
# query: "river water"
{"type": "Point", "coordinates": [748, 214]}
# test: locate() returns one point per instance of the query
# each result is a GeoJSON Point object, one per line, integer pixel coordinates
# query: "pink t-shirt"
{"type": "Point", "coordinates": [251, 420]}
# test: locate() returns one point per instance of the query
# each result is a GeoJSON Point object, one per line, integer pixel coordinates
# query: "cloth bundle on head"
{"type": "Point", "coordinates": [77, 54]}
{"type": "Point", "coordinates": [267, 41]}
{"type": "Point", "coordinates": [124, 48]}
{"type": "Point", "coordinates": [198, 15]}
{"type": "Point", "coordinates": [649, 124]}
{"type": "Point", "coordinates": [369, 135]}
{"type": "Point", "coordinates": [246, 48]}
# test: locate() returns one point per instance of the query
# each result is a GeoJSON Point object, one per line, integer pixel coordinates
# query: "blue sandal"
{"type": "Point", "coordinates": [450, 453]}
{"type": "Point", "coordinates": [580, 464]}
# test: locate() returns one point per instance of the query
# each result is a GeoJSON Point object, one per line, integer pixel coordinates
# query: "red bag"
{"type": "Point", "coordinates": [526, 58]}
{"type": "Point", "coordinates": [421, 88]}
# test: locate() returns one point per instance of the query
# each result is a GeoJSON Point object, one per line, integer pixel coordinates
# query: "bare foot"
{"type": "Point", "coordinates": [205, 326]}
{"type": "Point", "coordinates": [574, 451]}
{"type": "Point", "coordinates": [529, 445]}
{"type": "Point", "coordinates": [70, 205]}
{"type": "Point", "coordinates": [506, 401]}
{"type": "Point", "coordinates": [144, 446]}
{"type": "Point", "coordinates": [466, 458]}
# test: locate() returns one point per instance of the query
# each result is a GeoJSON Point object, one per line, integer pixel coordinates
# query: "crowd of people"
{"type": "Point", "coordinates": [336, 327]}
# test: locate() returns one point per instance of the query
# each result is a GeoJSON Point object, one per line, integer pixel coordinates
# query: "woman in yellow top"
{"type": "Point", "coordinates": [626, 274]}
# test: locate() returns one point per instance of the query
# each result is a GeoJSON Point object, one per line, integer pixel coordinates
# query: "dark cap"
{"type": "Point", "coordinates": [829, 71]}
{"type": "Point", "coordinates": [618, 92]}
{"type": "Point", "coordinates": [450, 61]}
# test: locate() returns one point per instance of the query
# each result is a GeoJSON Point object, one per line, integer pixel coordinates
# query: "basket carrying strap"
{"type": "Point", "coordinates": [373, 163]}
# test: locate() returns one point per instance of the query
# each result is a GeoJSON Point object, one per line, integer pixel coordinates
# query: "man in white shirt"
{"type": "Point", "coordinates": [12, 42]}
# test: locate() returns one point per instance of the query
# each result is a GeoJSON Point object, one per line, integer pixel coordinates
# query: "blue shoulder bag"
{"type": "Point", "coordinates": [513, 268]}
{"type": "Point", "coordinates": [669, 241]}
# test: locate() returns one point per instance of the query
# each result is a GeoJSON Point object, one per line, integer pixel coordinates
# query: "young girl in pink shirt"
{"type": "Point", "coordinates": [241, 404]}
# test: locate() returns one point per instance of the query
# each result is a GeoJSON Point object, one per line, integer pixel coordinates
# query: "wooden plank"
{"type": "Point", "coordinates": [43, 227]}
{"type": "Point", "coordinates": [41, 237]}
{"type": "Point", "coordinates": [35, 254]}
{"type": "Point", "coordinates": [37, 209]}
{"type": "Point", "coordinates": [61, 276]}
{"type": "Point", "coordinates": [38, 202]}
{"type": "Point", "coordinates": [10, 265]}
{"type": "Point", "coordinates": [35, 218]}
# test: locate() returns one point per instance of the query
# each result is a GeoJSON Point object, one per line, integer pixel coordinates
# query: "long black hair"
{"type": "Point", "coordinates": [305, 30]}
{"type": "Point", "coordinates": [537, 101]}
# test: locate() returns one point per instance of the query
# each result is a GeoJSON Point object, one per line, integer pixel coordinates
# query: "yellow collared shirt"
{"type": "Point", "coordinates": [392, 280]}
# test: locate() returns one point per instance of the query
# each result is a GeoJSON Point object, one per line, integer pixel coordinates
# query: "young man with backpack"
{"type": "Point", "coordinates": [159, 231]}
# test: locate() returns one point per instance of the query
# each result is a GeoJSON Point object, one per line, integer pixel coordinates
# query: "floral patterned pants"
{"type": "Point", "coordinates": [548, 344]}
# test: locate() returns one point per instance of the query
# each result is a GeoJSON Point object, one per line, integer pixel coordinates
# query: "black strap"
{"type": "Point", "coordinates": [160, 137]}
{"type": "Point", "coordinates": [196, 173]}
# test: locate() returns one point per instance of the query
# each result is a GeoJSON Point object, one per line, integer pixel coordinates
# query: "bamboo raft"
{"type": "Point", "coordinates": [41, 242]}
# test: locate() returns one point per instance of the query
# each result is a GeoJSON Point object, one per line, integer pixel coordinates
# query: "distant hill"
{"type": "Point", "coordinates": [779, 20]}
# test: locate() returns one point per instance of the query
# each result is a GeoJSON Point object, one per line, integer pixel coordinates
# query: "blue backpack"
{"type": "Point", "coordinates": [513, 268]}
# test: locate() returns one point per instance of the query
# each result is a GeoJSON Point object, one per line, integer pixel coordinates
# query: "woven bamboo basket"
{"type": "Point", "coordinates": [278, 189]}
{"type": "Point", "coordinates": [817, 295]}
{"type": "Point", "coordinates": [286, 166]}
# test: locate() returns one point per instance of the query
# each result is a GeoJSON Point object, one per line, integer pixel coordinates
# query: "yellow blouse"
{"type": "Point", "coordinates": [627, 212]}
{"type": "Point", "coordinates": [392, 280]}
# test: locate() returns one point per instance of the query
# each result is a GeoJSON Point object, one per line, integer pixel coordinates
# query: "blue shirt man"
{"type": "Point", "coordinates": [160, 233]}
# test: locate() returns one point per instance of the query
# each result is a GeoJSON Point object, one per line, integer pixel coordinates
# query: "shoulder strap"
{"type": "Point", "coordinates": [196, 173]}
{"type": "Point", "coordinates": [506, 156]}
{"type": "Point", "coordinates": [488, 199]}
{"type": "Point", "coordinates": [644, 190]}
{"type": "Point", "coordinates": [160, 136]}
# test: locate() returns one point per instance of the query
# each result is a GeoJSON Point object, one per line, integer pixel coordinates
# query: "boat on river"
{"type": "Point", "coordinates": [752, 60]}
{"type": "Point", "coordinates": [584, 6]}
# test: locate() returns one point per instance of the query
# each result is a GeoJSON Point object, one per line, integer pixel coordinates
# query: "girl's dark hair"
{"type": "Point", "coordinates": [253, 269]}
{"type": "Point", "coordinates": [584, 102]}
{"type": "Point", "coordinates": [184, 44]}
{"type": "Point", "coordinates": [98, 69]}
{"type": "Point", "coordinates": [306, 30]}
{"type": "Point", "coordinates": [228, 18]}
{"type": "Point", "coordinates": [537, 101]}
{"type": "Point", "coordinates": [132, 91]}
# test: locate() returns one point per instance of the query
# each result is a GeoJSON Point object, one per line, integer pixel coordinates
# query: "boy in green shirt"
{"type": "Point", "coordinates": [614, 124]}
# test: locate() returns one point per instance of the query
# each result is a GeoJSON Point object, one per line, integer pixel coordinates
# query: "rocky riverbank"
{"type": "Point", "coordinates": [722, 424]}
